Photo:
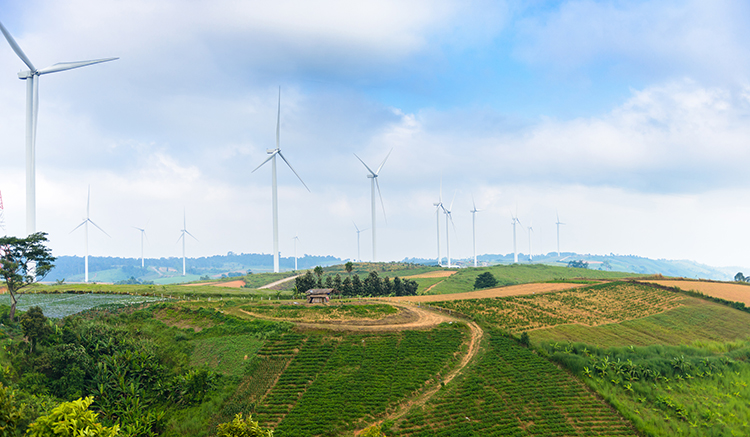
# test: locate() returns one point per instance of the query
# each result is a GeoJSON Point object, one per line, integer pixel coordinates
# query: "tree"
{"type": "Point", "coordinates": [349, 266]}
{"type": "Point", "coordinates": [71, 419]}
{"type": "Point", "coordinates": [239, 427]}
{"type": "Point", "coordinates": [578, 264]}
{"type": "Point", "coordinates": [319, 272]}
{"type": "Point", "coordinates": [485, 280]}
{"type": "Point", "coordinates": [24, 261]}
{"type": "Point", "coordinates": [739, 277]}
{"type": "Point", "coordinates": [356, 285]}
{"type": "Point", "coordinates": [346, 287]}
{"type": "Point", "coordinates": [35, 326]}
{"type": "Point", "coordinates": [11, 412]}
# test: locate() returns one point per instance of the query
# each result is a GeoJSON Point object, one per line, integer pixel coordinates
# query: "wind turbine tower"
{"type": "Point", "coordinates": [373, 176]}
{"type": "Point", "coordinates": [515, 251]}
{"type": "Point", "coordinates": [447, 229]}
{"type": "Point", "coordinates": [296, 239]}
{"type": "Point", "coordinates": [438, 208]}
{"type": "Point", "coordinates": [183, 232]}
{"type": "Point", "coordinates": [85, 225]}
{"type": "Point", "coordinates": [359, 231]}
{"type": "Point", "coordinates": [274, 195]}
{"type": "Point", "coordinates": [31, 76]}
{"type": "Point", "coordinates": [558, 223]}
{"type": "Point", "coordinates": [143, 233]}
{"type": "Point", "coordinates": [531, 229]}
{"type": "Point", "coordinates": [474, 228]}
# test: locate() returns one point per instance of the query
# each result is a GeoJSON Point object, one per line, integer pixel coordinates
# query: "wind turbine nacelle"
{"type": "Point", "coordinates": [23, 75]}
{"type": "Point", "coordinates": [369, 176]}
{"type": "Point", "coordinates": [270, 151]}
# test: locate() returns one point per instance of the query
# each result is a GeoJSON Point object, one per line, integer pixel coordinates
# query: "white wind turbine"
{"type": "Point", "coordinates": [274, 196]}
{"type": "Point", "coordinates": [515, 250]}
{"type": "Point", "coordinates": [558, 223]}
{"type": "Point", "coordinates": [438, 208]}
{"type": "Point", "coordinates": [531, 229]}
{"type": "Point", "coordinates": [85, 225]}
{"type": "Point", "coordinates": [31, 76]}
{"type": "Point", "coordinates": [182, 237]}
{"type": "Point", "coordinates": [447, 229]}
{"type": "Point", "coordinates": [373, 176]}
{"type": "Point", "coordinates": [359, 231]}
{"type": "Point", "coordinates": [143, 234]}
{"type": "Point", "coordinates": [474, 228]}
{"type": "Point", "coordinates": [296, 239]}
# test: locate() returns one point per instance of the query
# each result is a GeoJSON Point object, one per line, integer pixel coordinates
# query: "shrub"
{"type": "Point", "coordinates": [71, 419]}
{"type": "Point", "coordinates": [239, 427]}
{"type": "Point", "coordinates": [485, 280]}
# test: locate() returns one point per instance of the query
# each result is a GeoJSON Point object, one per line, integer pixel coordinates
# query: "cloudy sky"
{"type": "Point", "coordinates": [628, 119]}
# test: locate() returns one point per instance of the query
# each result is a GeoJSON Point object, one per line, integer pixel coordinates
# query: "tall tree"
{"type": "Point", "coordinates": [319, 272]}
{"type": "Point", "coordinates": [349, 266]}
{"type": "Point", "coordinates": [23, 261]}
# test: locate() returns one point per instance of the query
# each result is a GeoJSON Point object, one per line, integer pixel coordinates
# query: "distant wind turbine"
{"type": "Point", "coordinates": [143, 234]}
{"type": "Point", "coordinates": [359, 231]}
{"type": "Point", "coordinates": [558, 223]}
{"type": "Point", "coordinates": [448, 215]}
{"type": "Point", "coordinates": [182, 237]}
{"type": "Point", "coordinates": [474, 228]}
{"type": "Point", "coordinates": [515, 250]}
{"type": "Point", "coordinates": [296, 239]}
{"type": "Point", "coordinates": [531, 229]}
{"type": "Point", "coordinates": [85, 225]}
{"type": "Point", "coordinates": [438, 208]}
{"type": "Point", "coordinates": [373, 176]}
{"type": "Point", "coordinates": [32, 111]}
{"type": "Point", "coordinates": [274, 196]}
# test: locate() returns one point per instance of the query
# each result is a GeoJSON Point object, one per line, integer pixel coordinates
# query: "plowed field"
{"type": "Point", "coordinates": [435, 274]}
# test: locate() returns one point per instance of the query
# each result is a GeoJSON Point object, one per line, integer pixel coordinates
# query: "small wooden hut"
{"type": "Point", "coordinates": [319, 295]}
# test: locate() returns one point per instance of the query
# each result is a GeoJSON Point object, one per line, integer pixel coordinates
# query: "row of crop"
{"type": "Point", "coordinates": [512, 391]}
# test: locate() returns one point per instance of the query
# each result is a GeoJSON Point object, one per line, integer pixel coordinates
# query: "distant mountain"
{"type": "Point", "coordinates": [620, 263]}
{"type": "Point", "coordinates": [165, 270]}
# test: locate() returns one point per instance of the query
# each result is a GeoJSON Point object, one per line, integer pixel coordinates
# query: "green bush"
{"type": "Point", "coordinates": [485, 280]}
{"type": "Point", "coordinates": [239, 427]}
{"type": "Point", "coordinates": [71, 419]}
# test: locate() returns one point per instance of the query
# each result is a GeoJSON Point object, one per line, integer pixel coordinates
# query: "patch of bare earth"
{"type": "Point", "coordinates": [231, 284]}
{"type": "Point", "coordinates": [723, 290]}
{"type": "Point", "coordinates": [512, 290]}
{"type": "Point", "coordinates": [435, 274]}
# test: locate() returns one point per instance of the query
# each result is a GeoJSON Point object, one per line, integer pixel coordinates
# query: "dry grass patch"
{"type": "Point", "coordinates": [435, 274]}
{"type": "Point", "coordinates": [724, 290]}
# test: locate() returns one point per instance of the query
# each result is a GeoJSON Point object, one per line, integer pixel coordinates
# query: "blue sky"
{"type": "Point", "coordinates": [629, 119]}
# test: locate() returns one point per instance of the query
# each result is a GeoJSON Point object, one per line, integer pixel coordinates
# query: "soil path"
{"type": "Point", "coordinates": [280, 281]}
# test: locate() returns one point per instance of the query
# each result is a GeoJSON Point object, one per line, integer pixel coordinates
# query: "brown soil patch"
{"type": "Point", "coordinates": [512, 290]}
{"type": "Point", "coordinates": [435, 274]}
{"type": "Point", "coordinates": [231, 284]}
{"type": "Point", "coordinates": [3, 290]}
{"type": "Point", "coordinates": [723, 290]}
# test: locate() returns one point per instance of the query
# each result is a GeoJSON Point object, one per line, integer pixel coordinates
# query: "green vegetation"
{"type": "Point", "coordinates": [694, 321]}
{"type": "Point", "coordinates": [23, 261]}
{"type": "Point", "coordinates": [512, 391]}
{"type": "Point", "coordinates": [328, 312]}
{"type": "Point", "coordinates": [519, 274]}
{"type": "Point", "coordinates": [485, 280]}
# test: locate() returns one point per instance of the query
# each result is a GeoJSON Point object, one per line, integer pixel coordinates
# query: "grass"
{"type": "Point", "coordinates": [520, 274]}
{"type": "Point", "coordinates": [328, 312]}
{"type": "Point", "coordinates": [227, 355]}
{"type": "Point", "coordinates": [695, 321]}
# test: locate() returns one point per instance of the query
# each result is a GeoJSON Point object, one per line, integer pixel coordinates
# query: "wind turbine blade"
{"type": "Point", "coordinates": [187, 232]}
{"type": "Point", "coordinates": [450, 216]}
{"type": "Point", "coordinates": [368, 168]}
{"type": "Point", "coordinates": [182, 235]}
{"type": "Point", "coordinates": [140, 229]}
{"type": "Point", "coordinates": [16, 48]}
{"type": "Point", "coordinates": [381, 200]}
{"type": "Point", "coordinates": [473, 203]}
{"type": "Point", "coordinates": [383, 163]}
{"type": "Point", "coordinates": [74, 229]}
{"type": "Point", "coordinates": [452, 200]}
{"type": "Point", "coordinates": [278, 120]}
{"type": "Point", "coordinates": [62, 66]}
{"type": "Point", "coordinates": [355, 226]}
{"type": "Point", "coordinates": [292, 169]}
{"type": "Point", "coordinates": [97, 227]}
{"type": "Point", "coordinates": [267, 159]}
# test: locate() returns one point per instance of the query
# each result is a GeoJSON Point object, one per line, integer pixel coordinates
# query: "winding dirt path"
{"type": "Point", "coordinates": [280, 281]}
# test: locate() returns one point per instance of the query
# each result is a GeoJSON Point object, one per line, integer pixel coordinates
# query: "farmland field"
{"type": "Point", "coordinates": [320, 312]}
{"type": "Point", "coordinates": [733, 292]}
{"type": "Point", "coordinates": [511, 290]}
{"type": "Point", "coordinates": [61, 305]}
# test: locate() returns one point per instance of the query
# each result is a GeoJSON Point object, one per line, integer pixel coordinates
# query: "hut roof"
{"type": "Point", "coordinates": [319, 291]}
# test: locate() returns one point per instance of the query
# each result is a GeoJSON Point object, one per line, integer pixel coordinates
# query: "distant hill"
{"type": "Point", "coordinates": [620, 263]}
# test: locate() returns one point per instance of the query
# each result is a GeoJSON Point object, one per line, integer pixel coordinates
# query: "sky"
{"type": "Point", "coordinates": [627, 119]}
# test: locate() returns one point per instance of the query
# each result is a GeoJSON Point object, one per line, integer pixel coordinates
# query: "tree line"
{"type": "Point", "coordinates": [353, 285]}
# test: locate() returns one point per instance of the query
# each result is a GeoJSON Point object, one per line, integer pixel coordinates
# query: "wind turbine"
{"type": "Point", "coordinates": [296, 239]}
{"type": "Point", "coordinates": [558, 223]}
{"type": "Point", "coordinates": [85, 225]}
{"type": "Point", "coordinates": [373, 176]}
{"type": "Point", "coordinates": [447, 229]}
{"type": "Point", "coordinates": [359, 231]}
{"type": "Point", "coordinates": [515, 251]}
{"type": "Point", "coordinates": [31, 76]}
{"type": "Point", "coordinates": [182, 236]}
{"type": "Point", "coordinates": [274, 196]}
{"type": "Point", "coordinates": [474, 228]}
{"type": "Point", "coordinates": [438, 207]}
{"type": "Point", "coordinates": [143, 233]}
{"type": "Point", "coordinates": [531, 229]}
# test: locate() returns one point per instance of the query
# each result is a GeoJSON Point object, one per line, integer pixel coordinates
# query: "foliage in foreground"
{"type": "Point", "coordinates": [71, 419]}
{"type": "Point", "coordinates": [240, 427]}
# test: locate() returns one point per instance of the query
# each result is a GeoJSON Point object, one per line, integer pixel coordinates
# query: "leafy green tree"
{"type": "Point", "coordinates": [240, 427]}
{"type": "Point", "coordinates": [739, 277]}
{"type": "Point", "coordinates": [319, 273]}
{"type": "Point", "coordinates": [329, 281]}
{"type": "Point", "coordinates": [10, 412]}
{"type": "Point", "coordinates": [387, 286]}
{"type": "Point", "coordinates": [485, 280]}
{"type": "Point", "coordinates": [349, 266]}
{"type": "Point", "coordinates": [398, 287]}
{"type": "Point", "coordinates": [357, 288]}
{"type": "Point", "coordinates": [305, 282]}
{"type": "Point", "coordinates": [410, 287]}
{"type": "Point", "coordinates": [578, 264]}
{"type": "Point", "coordinates": [23, 261]}
{"type": "Point", "coordinates": [373, 284]}
{"type": "Point", "coordinates": [71, 419]}
{"type": "Point", "coordinates": [346, 287]}
{"type": "Point", "coordinates": [35, 326]}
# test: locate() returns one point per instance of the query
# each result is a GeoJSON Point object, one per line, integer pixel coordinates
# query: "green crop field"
{"type": "Point", "coordinates": [61, 305]}
{"type": "Point", "coordinates": [520, 274]}
{"type": "Point", "coordinates": [320, 312]}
